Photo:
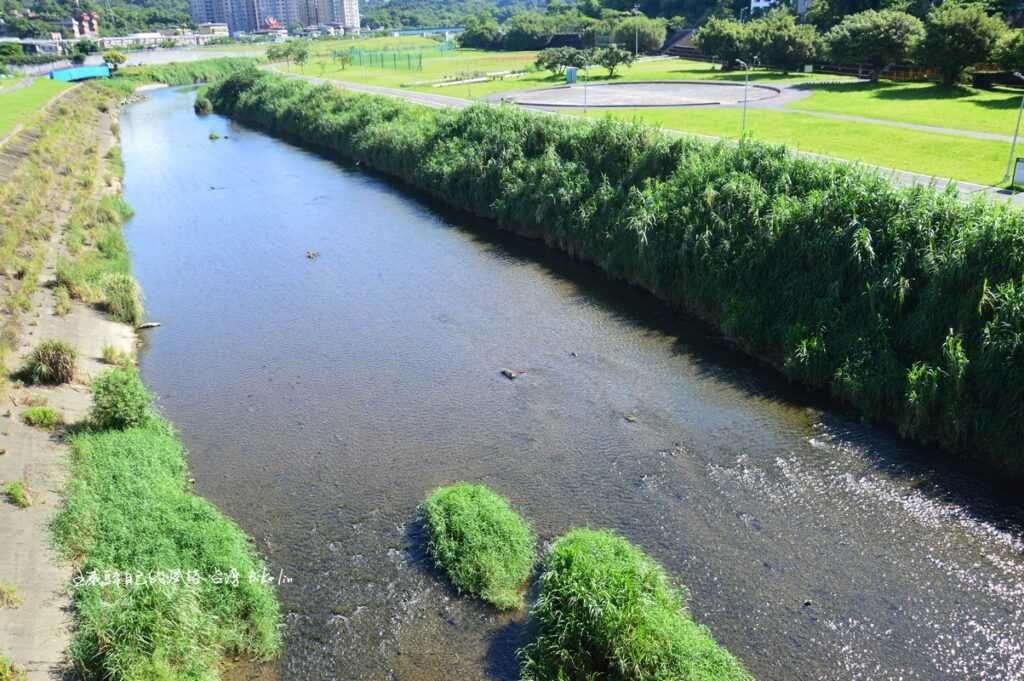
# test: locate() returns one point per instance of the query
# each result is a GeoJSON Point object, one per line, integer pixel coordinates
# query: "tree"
{"type": "Point", "coordinates": [277, 52]}
{"type": "Point", "coordinates": [86, 46]}
{"type": "Point", "coordinates": [958, 35]}
{"type": "Point", "coordinates": [613, 57]}
{"type": "Point", "coordinates": [481, 32]}
{"type": "Point", "coordinates": [114, 59]}
{"type": "Point", "coordinates": [875, 38]}
{"type": "Point", "coordinates": [550, 59]}
{"type": "Point", "coordinates": [779, 41]}
{"type": "Point", "coordinates": [11, 50]}
{"type": "Point", "coordinates": [527, 31]}
{"type": "Point", "coordinates": [343, 59]}
{"type": "Point", "coordinates": [640, 32]}
{"type": "Point", "coordinates": [726, 39]}
{"type": "Point", "coordinates": [300, 51]}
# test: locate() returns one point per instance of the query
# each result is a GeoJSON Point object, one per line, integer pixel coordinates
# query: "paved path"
{"type": "Point", "coordinates": [967, 190]}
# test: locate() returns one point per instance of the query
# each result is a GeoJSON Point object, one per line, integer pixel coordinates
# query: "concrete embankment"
{"type": "Point", "coordinates": [35, 633]}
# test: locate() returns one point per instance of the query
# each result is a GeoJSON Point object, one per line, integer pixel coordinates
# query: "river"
{"type": "Point", "coordinates": [321, 399]}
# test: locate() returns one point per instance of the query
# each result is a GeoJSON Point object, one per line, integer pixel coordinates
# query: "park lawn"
{"type": "Point", "coordinates": [962, 108]}
{"type": "Point", "coordinates": [436, 66]}
{"type": "Point", "coordinates": [644, 70]}
{"type": "Point", "coordinates": [933, 154]}
{"type": "Point", "coordinates": [18, 106]}
{"type": "Point", "coordinates": [468, 63]}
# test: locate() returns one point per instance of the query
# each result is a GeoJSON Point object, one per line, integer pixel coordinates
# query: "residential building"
{"type": "Point", "coordinates": [81, 25]}
{"type": "Point", "coordinates": [213, 29]}
{"type": "Point", "coordinates": [249, 16]}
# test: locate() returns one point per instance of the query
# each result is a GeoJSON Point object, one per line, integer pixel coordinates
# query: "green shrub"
{"type": "Point", "coordinates": [18, 494]}
{"type": "Point", "coordinates": [827, 270]}
{"type": "Point", "coordinates": [122, 297]}
{"type": "Point", "coordinates": [128, 510]}
{"type": "Point", "coordinates": [9, 597]}
{"type": "Point", "coordinates": [42, 417]}
{"type": "Point", "coordinates": [10, 671]}
{"type": "Point", "coordinates": [62, 303]}
{"type": "Point", "coordinates": [52, 362]}
{"type": "Point", "coordinates": [119, 399]}
{"type": "Point", "coordinates": [115, 357]}
{"type": "Point", "coordinates": [607, 611]}
{"type": "Point", "coordinates": [485, 547]}
{"type": "Point", "coordinates": [202, 105]}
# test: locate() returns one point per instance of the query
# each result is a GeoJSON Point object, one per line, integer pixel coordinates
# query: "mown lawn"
{"type": "Point", "coordinates": [458, 64]}
{"type": "Point", "coordinates": [979, 161]}
{"type": "Point", "coordinates": [17, 106]}
{"type": "Point", "coordinates": [962, 108]}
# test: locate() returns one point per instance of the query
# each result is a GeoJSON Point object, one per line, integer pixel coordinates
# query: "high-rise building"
{"type": "Point", "coordinates": [251, 15]}
{"type": "Point", "coordinates": [345, 12]}
{"type": "Point", "coordinates": [239, 15]}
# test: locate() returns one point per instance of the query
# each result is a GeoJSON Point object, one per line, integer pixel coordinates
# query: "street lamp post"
{"type": "Point", "coordinates": [636, 33]}
{"type": "Point", "coordinates": [1008, 175]}
{"type": "Point", "coordinates": [746, 90]}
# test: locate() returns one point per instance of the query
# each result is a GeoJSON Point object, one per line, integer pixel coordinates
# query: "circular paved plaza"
{"type": "Point", "coordinates": [653, 94]}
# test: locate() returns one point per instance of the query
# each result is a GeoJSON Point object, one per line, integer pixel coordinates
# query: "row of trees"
{"type": "Point", "coordinates": [533, 31]}
{"type": "Point", "coordinates": [953, 36]}
{"type": "Point", "coordinates": [557, 59]}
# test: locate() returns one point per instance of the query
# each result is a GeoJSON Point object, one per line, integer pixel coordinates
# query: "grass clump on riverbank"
{"type": "Point", "coordinates": [10, 671]}
{"type": "Point", "coordinates": [606, 610]}
{"type": "Point", "coordinates": [480, 542]}
{"type": "Point", "coordinates": [97, 268]}
{"type": "Point", "coordinates": [42, 417]}
{"type": "Point", "coordinates": [120, 400]}
{"type": "Point", "coordinates": [906, 303]}
{"type": "Point", "coordinates": [18, 494]}
{"type": "Point", "coordinates": [190, 588]}
{"type": "Point", "coordinates": [51, 362]}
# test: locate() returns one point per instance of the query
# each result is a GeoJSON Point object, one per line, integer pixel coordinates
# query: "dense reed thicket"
{"type": "Point", "coordinates": [179, 73]}
{"type": "Point", "coordinates": [904, 302]}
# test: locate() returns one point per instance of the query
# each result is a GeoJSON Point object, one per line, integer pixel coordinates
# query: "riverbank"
{"type": "Point", "coordinates": [897, 301]}
{"type": "Point", "coordinates": [67, 276]}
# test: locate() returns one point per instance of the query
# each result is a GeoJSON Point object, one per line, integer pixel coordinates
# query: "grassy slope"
{"type": "Point", "coordinates": [922, 103]}
{"type": "Point", "coordinates": [17, 107]}
{"type": "Point", "coordinates": [129, 508]}
{"type": "Point", "coordinates": [934, 154]}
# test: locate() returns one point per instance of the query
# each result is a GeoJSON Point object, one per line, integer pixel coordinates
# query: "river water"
{"type": "Point", "coordinates": [321, 399]}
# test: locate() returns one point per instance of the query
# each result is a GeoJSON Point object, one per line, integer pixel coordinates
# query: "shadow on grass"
{"type": "Point", "coordinates": [913, 92]}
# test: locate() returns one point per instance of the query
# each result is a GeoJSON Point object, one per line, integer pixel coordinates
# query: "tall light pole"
{"type": "Point", "coordinates": [636, 33]}
{"type": "Point", "coordinates": [1008, 175]}
{"type": "Point", "coordinates": [746, 90]}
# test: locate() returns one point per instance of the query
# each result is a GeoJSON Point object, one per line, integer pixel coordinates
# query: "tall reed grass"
{"type": "Point", "coordinates": [906, 303]}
